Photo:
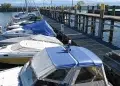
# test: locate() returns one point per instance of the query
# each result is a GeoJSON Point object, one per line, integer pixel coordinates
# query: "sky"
{"type": "Point", "coordinates": [59, 2]}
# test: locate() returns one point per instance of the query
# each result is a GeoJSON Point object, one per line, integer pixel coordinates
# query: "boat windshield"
{"type": "Point", "coordinates": [39, 67]}
{"type": "Point", "coordinates": [27, 75]}
{"type": "Point", "coordinates": [90, 74]}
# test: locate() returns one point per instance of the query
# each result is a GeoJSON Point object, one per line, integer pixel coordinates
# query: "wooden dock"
{"type": "Point", "coordinates": [85, 22]}
{"type": "Point", "coordinates": [80, 39]}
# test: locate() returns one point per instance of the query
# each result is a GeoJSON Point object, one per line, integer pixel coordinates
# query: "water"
{"type": "Point", "coordinates": [5, 18]}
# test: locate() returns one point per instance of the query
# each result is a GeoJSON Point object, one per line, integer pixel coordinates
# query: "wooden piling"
{"type": "Point", "coordinates": [101, 21]}
{"type": "Point", "coordinates": [93, 26]}
{"type": "Point", "coordinates": [69, 17]}
{"type": "Point", "coordinates": [86, 28]}
{"type": "Point", "coordinates": [79, 22]}
{"type": "Point", "coordinates": [112, 26]}
{"type": "Point", "coordinates": [76, 18]}
{"type": "Point", "coordinates": [83, 27]}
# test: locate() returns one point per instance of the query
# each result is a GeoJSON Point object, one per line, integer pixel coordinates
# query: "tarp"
{"type": "Point", "coordinates": [40, 27]}
{"type": "Point", "coordinates": [78, 56]}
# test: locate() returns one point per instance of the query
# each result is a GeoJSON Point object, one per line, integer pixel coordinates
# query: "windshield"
{"type": "Point", "coordinates": [27, 75]}
{"type": "Point", "coordinates": [88, 74]}
{"type": "Point", "coordinates": [39, 67]}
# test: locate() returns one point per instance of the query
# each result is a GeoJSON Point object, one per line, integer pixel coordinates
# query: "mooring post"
{"type": "Point", "coordinates": [76, 18]}
{"type": "Point", "coordinates": [87, 8]}
{"type": "Point", "coordinates": [83, 24]}
{"type": "Point", "coordinates": [63, 18]}
{"type": "Point", "coordinates": [93, 26]}
{"type": "Point", "coordinates": [86, 28]}
{"type": "Point", "coordinates": [79, 22]}
{"type": "Point", "coordinates": [112, 26]}
{"type": "Point", "coordinates": [69, 16]}
{"type": "Point", "coordinates": [62, 31]}
{"type": "Point", "coordinates": [49, 11]}
{"type": "Point", "coordinates": [80, 8]}
{"type": "Point", "coordinates": [101, 21]}
{"type": "Point", "coordinates": [55, 14]}
{"type": "Point", "coordinates": [93, 10]}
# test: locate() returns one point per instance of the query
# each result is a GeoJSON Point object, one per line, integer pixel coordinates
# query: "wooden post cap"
{"type": "Point", "coordinates": [102, 7]}
{"type": "Point", "coordinates": [76, 6]}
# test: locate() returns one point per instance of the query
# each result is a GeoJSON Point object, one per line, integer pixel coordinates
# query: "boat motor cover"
{"type": "Point", "coordinates": [40, 27]}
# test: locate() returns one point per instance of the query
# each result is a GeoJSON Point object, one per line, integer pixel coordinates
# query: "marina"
{"type": "Point", "coordinates": [60, 45]}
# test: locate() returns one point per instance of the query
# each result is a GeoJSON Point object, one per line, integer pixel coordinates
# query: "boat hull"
{"type": "Point", "coordinates": [14, 61]}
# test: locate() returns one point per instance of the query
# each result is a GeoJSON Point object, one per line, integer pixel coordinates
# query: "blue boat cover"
{"type": "Point", "coordinates": [77, 57]}
{"type": "Point", "coordinates": [40, 27]}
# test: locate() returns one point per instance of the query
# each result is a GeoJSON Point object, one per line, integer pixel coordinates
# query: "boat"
{"type": "Point", "coordinates": [32, 37]}
{"type": "Point", "coordinates": [57, 66]}
{"type": "Point", "coordinates": [10, 27]}
{"type": "Point", "coordinates": [20, 24]}
{"type": "Point", "coordinates": [18, 15]}
{"type": "Point", "coordinates": [20, 53]}
{"type": "Point", "coordinates": [26, 14]}
{"type": "Point", "coordinates": [39, 27]}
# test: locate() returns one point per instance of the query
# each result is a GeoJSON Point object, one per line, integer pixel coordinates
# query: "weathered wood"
{"type": "Point", "coordinates": [83, 25]}
{"type": "Point", "coordinates": [112, 26]}
{"type": "Point", "coordinates": [93, 11]}
{"type": "Point", "coordinates": [87, 8]}
{"type": "Point", "coordinates": [69, 16]}
{"type": "Point", "coordinates": [93, 26]}
{"type": "Point", "coordinates": [101, 21]}
{"type": "Point", "coordinates": [86, 28]}
{"type": "Point", "coordinates": [76, 18]}
{"type": "Point", "coordinates": [79, 22]}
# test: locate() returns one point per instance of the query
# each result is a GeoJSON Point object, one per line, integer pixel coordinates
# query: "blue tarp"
{"type": "Point", "coordinates": [78, 56]}
{"type": "Point", "coordinates": [40, 27]}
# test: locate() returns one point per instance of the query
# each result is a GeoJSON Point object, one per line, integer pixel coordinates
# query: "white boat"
{"type": "Point", "coordinates": [20, 53]}
{"type": "Point", "coordinates": [18, 15]}
{"type": "Point", "coordinates": [26, 14]}
{"type": "Point", "coordinates": [10, 27]}
{"type": "Point", "coordinates": [58, 67]}
{"type": "Point", "coordinates": [20, 24]}
{"type": "Point", "coordinates": [39, 27]}
{"type": "Point", "coordinates": [32, 37]}
{"type": "Point", "coordinates": [18, 32]}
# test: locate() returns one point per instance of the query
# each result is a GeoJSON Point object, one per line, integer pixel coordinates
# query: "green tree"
{"type": "Point", "coordinates": [6, 5]}
{"type": "Point", "coordinates": [80, 3]}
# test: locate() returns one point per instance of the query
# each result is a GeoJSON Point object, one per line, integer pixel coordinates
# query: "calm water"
{"type": "Point", "coordinates": [6, 18]}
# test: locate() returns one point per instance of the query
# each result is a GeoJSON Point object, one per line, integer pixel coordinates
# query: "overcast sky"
{"type": "Point", "coordinates": [60, 2]}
